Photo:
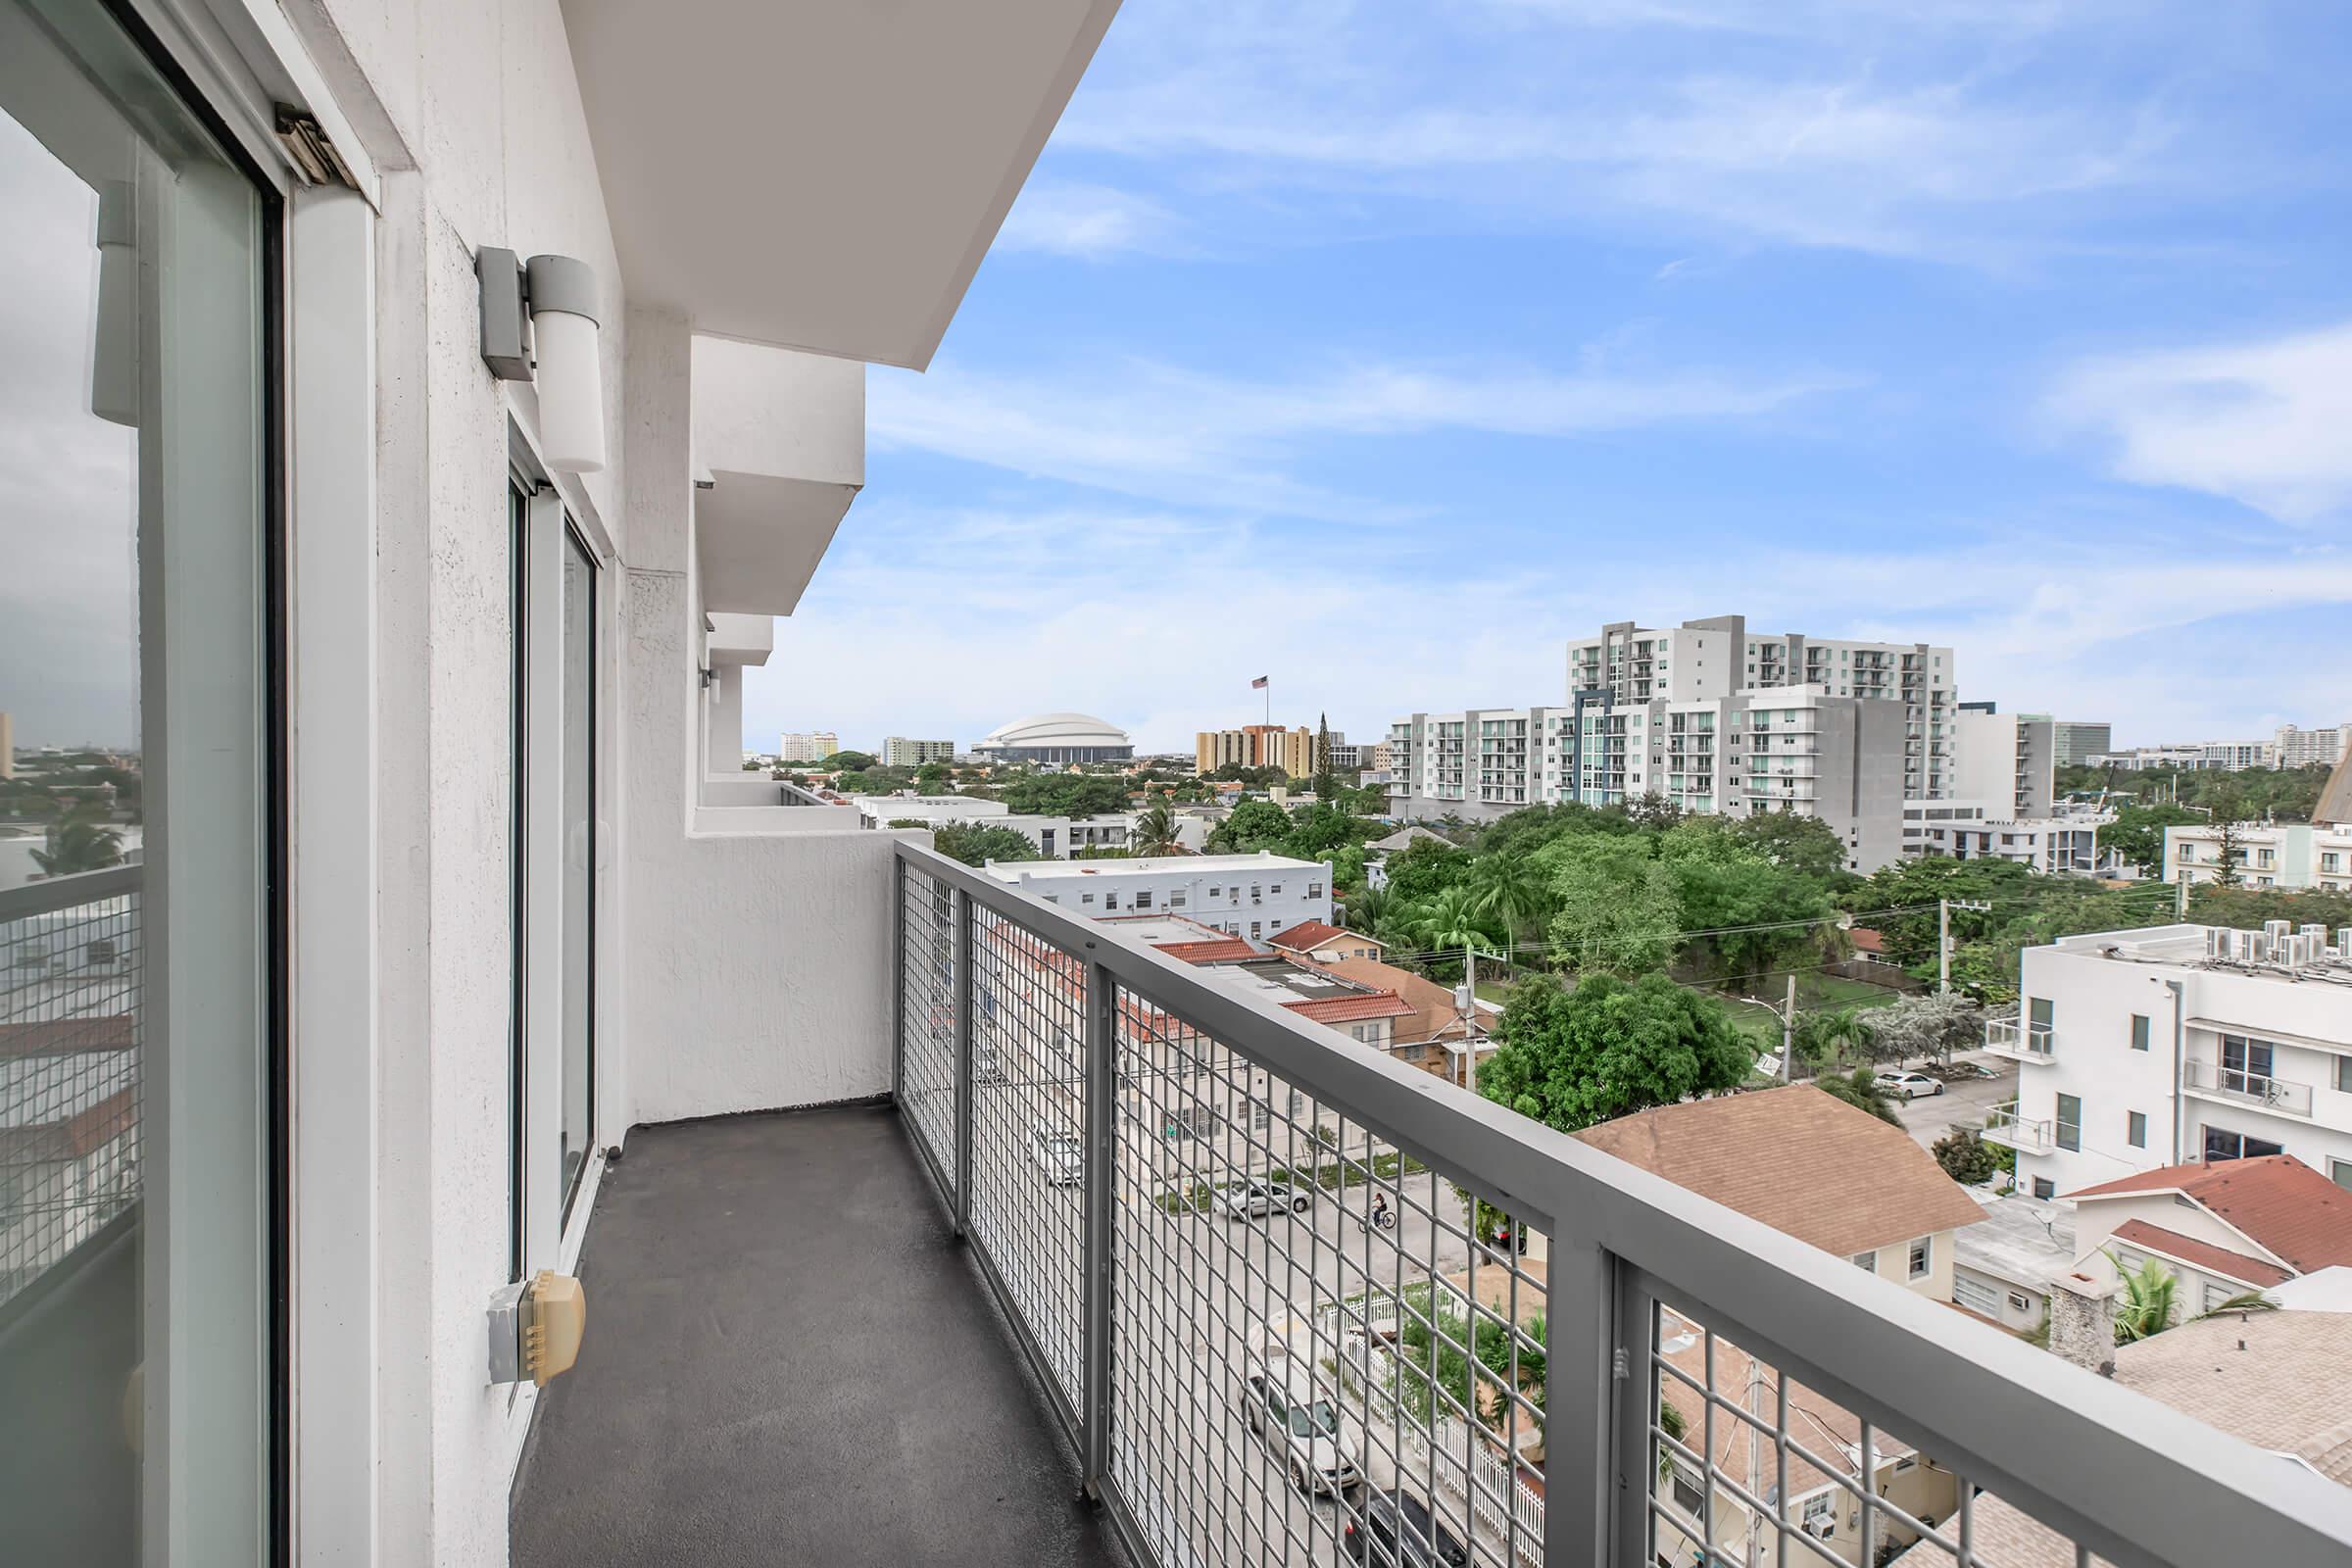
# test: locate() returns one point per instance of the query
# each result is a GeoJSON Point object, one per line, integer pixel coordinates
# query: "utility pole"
{"type": "Point", "coordinates": [1788, 1047]}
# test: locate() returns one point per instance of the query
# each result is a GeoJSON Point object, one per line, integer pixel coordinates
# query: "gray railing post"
{"type": "Point", "coordinates": [1581, 1388]}
{"type": "Point", "coordinates": [965, 921]}
{"type": "Point", "coordinates": [897, 982]}
{"type": "Point", "coordinates": [1102, 1165]}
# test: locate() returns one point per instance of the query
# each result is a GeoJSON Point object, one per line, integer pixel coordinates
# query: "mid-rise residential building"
{"type": "Point", "coordinates": [2217, 755]}
{"type": "Point", "coordinates": [2222, 1229]}
{"type": "Point", "coordinates": [2005, 759]}
{"type": "Point", "coordinates": [1054, 837]}
{"type": "Point", "coordinates": [812, 747]}
{"type": "Point", "coordinates": [2303, 747]}
{"type": "Point", "coordinates": [2076, 742]}
{"type": "Point", "coordinates": [1720, 656]}
{"type": "Point", "coordinates": [2262, 854]}
{"type": "Point", "coordinates": [1478, 764]}
{"type": "Point", "coordinates": [2150, 1047]}
{"type": "Point", "coordinates": [1256, 746]}
{"type": "Point", "coordinates": [1978, 830]}
{"type": "Point", "coordinates": [900, 751]}
{"type": "Point", "coordinates": [1791, 749]}
{"type": "Point", "coordinates": [1244, 894]}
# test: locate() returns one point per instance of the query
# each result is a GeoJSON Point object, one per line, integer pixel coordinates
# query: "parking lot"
{"type": "Point", "coordinates": [1966, 1100]}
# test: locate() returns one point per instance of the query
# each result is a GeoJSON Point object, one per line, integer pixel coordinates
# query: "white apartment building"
{"type": "Point", "coordinates": [1978, 830]}
{"type": "Point", "coordinates": [2079, 741]}
{"type": "Point", "coordinates": [2268, 855]}
{"type": "Point", "coordinates": [1787, 748]}
{"type": "Point", "coordinates": [812, 747]}
{"type": "Point", "coordinates": [2220, 755]}
{"type": "Point", "coordinates": [2005, 759]}
{"type": "Point", "coordinates": [1056, 837]}
{"type": "Point", "coordinates": [2173, 1043]}
{"type": "Point", "coordinates": [2303, 747]}
{"type": "Point", "coordinates": [1477, 764]}
{"type": "Point", "coordinates": [897, 751]}
{"type": "Point", "coordinates": [1251, 896]}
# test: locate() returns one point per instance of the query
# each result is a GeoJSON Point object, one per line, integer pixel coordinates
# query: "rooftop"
{"type": "Point", "coordinates": [1022, 870]}
{"type": "Point", "coordinates": [1860, 1183]}
{"type": "Point", "coordinates": [2012, 1243]}
{"type": "Point", "coordinates": [1309, 989]}
{"type": "Point", "coordinates": [1309, 935]}
{"type": "Point", "coordinates": [2277, 1202]}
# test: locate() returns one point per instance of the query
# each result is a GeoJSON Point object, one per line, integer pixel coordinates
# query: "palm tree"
{"type": "Point", "coordinates": [83, 842]}
{"type": "Point", "coordinates": [1511, 890]}
{"type": "Point", "coordinates": [1825, 1035]}
{"type": "Point", "coordinates": [2149, 1306]}
{"type": "Point", "coordinates": [1452, 923]}
{"type": "Point", "coordinates": [1155, 828]}
{"type": "Point", "coordinates": [2244, 1301]}
{"type": "Point", "coordinates": [1367, 909]}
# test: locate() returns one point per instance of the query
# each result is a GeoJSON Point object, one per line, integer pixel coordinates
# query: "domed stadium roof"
{"type": "Point", "coordinates": [1054, 729]}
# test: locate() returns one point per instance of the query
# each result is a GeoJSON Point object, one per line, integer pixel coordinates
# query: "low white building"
{"type": "Point", "coordinates": [2265, 855]}
{"type": "Point", "coordinates": [1056, 837]}
{"type": "Point", "coordinates": [2150, 1047]}
{"type": "Point", "coordinates": [1984, 830]}
{"type": "Point", "coordinates": [1248, 896]}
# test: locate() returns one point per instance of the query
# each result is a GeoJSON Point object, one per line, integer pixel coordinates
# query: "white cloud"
{"type": "Point", "coordinates": [1152, 430]}
{"type": "Point", "coordinates": [1086, 221]}
{"type": "Point", "coordinates": [2267, 424]}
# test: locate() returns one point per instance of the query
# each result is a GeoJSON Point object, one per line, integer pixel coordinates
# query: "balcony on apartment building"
{"type": "Point", "coordinates": [2003, 1125]}
{"type": "Point", "coordinates": [1107, 1237]}
{"type": "Point", "coordinates": [2022, 1040]}
{"type": "Point", "coordinates": [2240, 1086]}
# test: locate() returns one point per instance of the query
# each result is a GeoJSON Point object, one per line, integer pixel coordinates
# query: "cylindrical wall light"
{"type": "Point", "coordinates": [559, 355]}
{"type": "Point", "coordinates": [115, 328]}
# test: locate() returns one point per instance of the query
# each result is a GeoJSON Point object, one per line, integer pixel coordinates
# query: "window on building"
{"type": "Point", "coordinates": [1314, 889]}
{"type": "Point", "coordinates": [1143, 901]}
{"type": "Point", "coordinates": [1923, 1258]}
{"type": "Point", "coordinates": [2044, 1189]}
{"type": "Point", "coordinates": [2070, 1123]}
{"type": "Point", "coordinates": [1086, 897]}
{"type": "Point", "coordinates": [2343, 1074]}
{"type": "Point", "coordinates": [1686, 1494]}
{"type": "Point", "coordinates": [2018, 1302]}
{"type": "Point", "coordinates": [2139, 1031]}
{"type": "Point", "coordinates": [1261, 1114]}
{"type": "Point", "coordinates": [2223, 1144]}
{"type": "Point", "coordinates": [1176, 898]}
{"type": "Point", "coordinates": [1110, 901]}
{"type": "Point", "coordinates": [2341, 1172]}
{"type": "Point", "coordinates": [1866, 1260]}
{"type": "Point", "coordinates": [1212, 892]}
{"type": "Point", "coordinates": [1257, 928]}
{"type": "Point", "coordinates": [2135, 1128]}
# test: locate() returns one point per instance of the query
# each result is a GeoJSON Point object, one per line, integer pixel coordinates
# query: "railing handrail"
{"type": "Point", "coordinates": [2006, 1413]}
{"type": "Point", "coordinates": [70, 892]}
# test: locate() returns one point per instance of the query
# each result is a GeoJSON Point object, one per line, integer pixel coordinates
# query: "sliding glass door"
{"type": "Point", "coordinates": [578, 788]}
{"type": "Point", "coordinates": [137, 1078]}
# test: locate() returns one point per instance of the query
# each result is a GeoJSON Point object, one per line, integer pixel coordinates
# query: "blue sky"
{"type": "Point", "coordinates": [1385, 348]}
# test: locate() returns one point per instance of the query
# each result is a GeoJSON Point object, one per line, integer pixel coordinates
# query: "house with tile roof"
{"type": "Point", "coordinates": [1437, 1038]}
{"type": "Point", "coordinates": [1321, 942]}
{"type": "Point", "coordinates": [2221, 1227]}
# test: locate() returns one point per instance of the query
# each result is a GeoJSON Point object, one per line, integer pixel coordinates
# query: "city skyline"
{"type": "Point", "coordinates": [1348, 343]}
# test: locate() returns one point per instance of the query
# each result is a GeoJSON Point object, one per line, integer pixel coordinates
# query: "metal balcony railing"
{"type": "Point", "coordinates": [2003, 1125]}
{"type": "Point", "coordinates": [2284, 1095]}
{"type": "Point", "coordinates": [69, 1067]}
{"type": "Point", "coordinates": [2020, 1041]}
{"type": "Point", "coordinates": [1170, 1186]}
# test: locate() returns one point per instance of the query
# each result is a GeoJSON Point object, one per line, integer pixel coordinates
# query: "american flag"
{"type": "Point", "coordinates": [1260, 683]}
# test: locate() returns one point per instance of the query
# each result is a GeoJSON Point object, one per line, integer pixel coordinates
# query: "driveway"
{"type": "Point", "coordinates": [1931, 1116]}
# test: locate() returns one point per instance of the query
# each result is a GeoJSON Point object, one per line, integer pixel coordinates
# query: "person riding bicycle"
{"type": "Point", "coordinates": [1380, 1208]}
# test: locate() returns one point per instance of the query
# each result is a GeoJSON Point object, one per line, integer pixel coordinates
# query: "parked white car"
{"type": "Point", "coordinates": [1910, 1085]}
{"type": "Point", "coordinates": [1059, 1154]}
{"type": "Point", "coordinates": [1255, 1200]}
{"type": "Point", "coordinates": [1320, 1448]}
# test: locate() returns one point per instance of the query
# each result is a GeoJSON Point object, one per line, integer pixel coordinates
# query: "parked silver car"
{"type": "Point", "coordinates": [1059, 1154]}
{"type": "Point", "coordinates": [1320, 1448]}
{"type": "Point", "coordinates": [1255, 1200]}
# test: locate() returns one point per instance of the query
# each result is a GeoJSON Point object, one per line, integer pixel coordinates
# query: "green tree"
{"type": "Point", "coordinates": [1366, 911]}
{"type": "Point", "coordinates": [1155, 828]}
{"type": "Point", "coordinates": [1756, 915]}
{"type": "Point", "coordinates": [1934, 1024]}
{"type": "Point", "coordinates": [1454, 921]}
{"type": "Point", "coordinates": [1827, 1036]}
{"type": "Point", "coordinates": [80, 841]}
{"type": "Point", "coordinates": [1613, 906]}
{"type": "Point", "coordinates": [978, 842]}
{"type": "Point", "coordinates": [2230, 852]}
{"type": "Point", "coordinates": [2149, 1303]}
{"type": "Point", "coordinates": [1572, 1057]}
{"type": "Point", "coordinates": [1860, 1090]}
{"type": "Point", "coordinates": [2138, 833]}
{"type": "Point", "coordinates": [1798, 841]}
{"type": "Point", "coordinates": [1512, 890]}
{"type": "Point", "coordinates": [1424, 867]}
{"type": "Point", "coordinates": [846, 762]}
{"type": "Point", "coordinates": [1071, 794]}
{"type": "Point", "coordinates": [1966, 1158]}
{"type": "Point", "coordinates": [1327, 783]}
{"type": "Point", "coordinates": [1254, 825]}
{"type": "Point", "coordinates": [933, 778]}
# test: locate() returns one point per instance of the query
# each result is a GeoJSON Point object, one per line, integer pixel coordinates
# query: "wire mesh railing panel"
{"type": "Point", "coordinates": [927, 1015]}
{"type": "Point", "coordinates": [70, 1070]}
{"type": "Point", "coordinates": [1321, 1353]}
{"type": "Point", "coordinates": [1752, 1469]}
{"type": "Point", "coordinates": [1028, 1133]}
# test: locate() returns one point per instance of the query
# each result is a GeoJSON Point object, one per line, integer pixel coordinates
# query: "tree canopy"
{"type": "Point", "coordinates": [1613, 908]}
{"type": "Point", "coordinates": [1073, 795]}
{"type": "Point", "coordinates": [978, 842]}
{"type": "Point", "coordinates": [1608, 1047]}
{"type": "Point", "coordinates": [848, 762]}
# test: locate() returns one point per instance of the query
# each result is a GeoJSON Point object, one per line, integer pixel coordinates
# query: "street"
{"type": "Point", "coordinates": [1966, 1101]}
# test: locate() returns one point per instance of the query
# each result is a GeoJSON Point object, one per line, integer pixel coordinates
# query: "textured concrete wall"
{"type": "Point", "coordinates": [2082, 1323]}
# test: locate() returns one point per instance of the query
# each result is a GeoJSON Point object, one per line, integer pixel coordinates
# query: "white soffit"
{"type": "Point", "coordinates": [820, 175]}
{"type": "Point", "coordinates": [758, 537]}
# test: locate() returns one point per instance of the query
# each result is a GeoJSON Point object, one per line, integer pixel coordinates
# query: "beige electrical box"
{"type": "Point", "coordinates": [555, 1314]}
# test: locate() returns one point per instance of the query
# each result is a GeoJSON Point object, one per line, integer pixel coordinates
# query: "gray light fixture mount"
{"type": "Point", "coordinates": [540, 323]}
{"type": "Point", "coordinates": [514, 290]}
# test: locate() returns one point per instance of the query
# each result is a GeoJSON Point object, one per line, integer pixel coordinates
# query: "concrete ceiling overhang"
{"type": "Point", "coordinates": [759, 538]}
{"type": "Point", "coordinates": [820, 175]}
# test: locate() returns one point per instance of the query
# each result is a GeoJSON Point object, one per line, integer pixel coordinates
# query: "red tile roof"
{"type": "Point", "coordinates": [1800, 1160]}
{"type": "Point", "coordinates": [2201, 1255]}
{"type": "Point", "coordinates": [1309, 935]}
{"type": "Point", "coordinates": [1349, 1009]}
{"type": "Point", "coordinates": [2282, 1204]}
{"type": "Point", "coordinates": [1867, 941]}
{"type": "Point", "coordinates": [1218, 950]}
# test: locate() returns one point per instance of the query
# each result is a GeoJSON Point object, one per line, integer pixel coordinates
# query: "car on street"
{"type": "Point", "coordinates": [1059, 1154]}
{"type": "Point", "coordinates": [1397, 1532]}
{"type": "Point", "coordinates": [1910, 1085]}
{"type": "Point", "coordinates": [1319, 1448]}
{"type": "Point", "coordinates": [1255, 1200]}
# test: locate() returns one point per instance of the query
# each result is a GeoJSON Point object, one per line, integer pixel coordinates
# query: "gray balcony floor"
{"type": "Point", "coordinates": [790, 1361]}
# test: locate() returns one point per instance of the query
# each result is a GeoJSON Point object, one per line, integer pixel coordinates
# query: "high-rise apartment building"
{"type": "Point", "coordinates": [2295, 748]}
{"type": "Point", "coordinates": [1478, 764]}
{"type": "Point", "coordinates": [1256, 746]}
{"type": "Point", "coordinates": [2007, 762]}
{"type": "Point", "coordinates": [2076, 741]}
{"type": "Point", "coordinates": [900, 751]}
{"type": "Point", "coordinates": [813, 747]}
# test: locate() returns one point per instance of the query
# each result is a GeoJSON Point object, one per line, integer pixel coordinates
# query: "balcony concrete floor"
{"type": "Point", "coordinates": [790, 1361]}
